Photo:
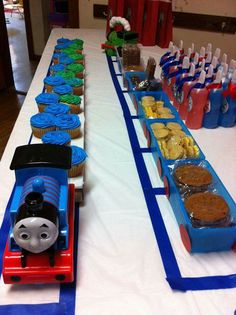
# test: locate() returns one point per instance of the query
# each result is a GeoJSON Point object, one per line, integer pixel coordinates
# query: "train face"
{"type": "Point", "coordinates": [36, 227]}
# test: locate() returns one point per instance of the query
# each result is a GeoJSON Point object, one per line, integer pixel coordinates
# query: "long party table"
{"type": "Point", "coordinates": [119, 266]}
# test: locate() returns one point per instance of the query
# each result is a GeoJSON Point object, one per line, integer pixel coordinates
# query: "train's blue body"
{"type": "Point", "coordinates": [42, 168]}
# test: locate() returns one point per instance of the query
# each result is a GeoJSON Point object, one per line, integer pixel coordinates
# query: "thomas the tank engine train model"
{"type": "Point", "coordinates": [41, 208]}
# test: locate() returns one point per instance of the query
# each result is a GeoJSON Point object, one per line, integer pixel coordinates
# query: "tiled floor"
{"type": "Point", "coordinates": [23, 71]}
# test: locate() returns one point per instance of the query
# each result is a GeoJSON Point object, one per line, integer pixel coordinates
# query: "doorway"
{"type": "Point", "coordinates": [23, 69]}
{"type": "Point", "coordinates": [22, 21]}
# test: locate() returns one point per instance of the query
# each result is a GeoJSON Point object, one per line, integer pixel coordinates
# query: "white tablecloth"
{"type": "Point", "coordinates": [120, 271]}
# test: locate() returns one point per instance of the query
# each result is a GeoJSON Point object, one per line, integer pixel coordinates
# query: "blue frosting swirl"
{"type": "Point", "coordinates": [47, 98]}
{"type": "Point", "coordinates": [54, 81]}
{"type": "Point", "coordinates": [78, 155]}
{"type": "Point", "coordinates": [56, 137]}
{"type": "Point", "coordinates": [66, 60]}
{"type": "Point", "coordinates": [62, 45]}
{"type": "Point", "coordinates": [42, 120]}
{"type": "Point", "coordinates": [57, 109]}
{"type": "Point", "coordinates": [58, 55]}
{"type": "Point", "coordinates": [63, 40]}
{"type": "Point", "coordinates": [58, 67]}
{"type": "Point", "coordinates": [63, 89]}
{"type": "Point", "coordinates": [67, 121]}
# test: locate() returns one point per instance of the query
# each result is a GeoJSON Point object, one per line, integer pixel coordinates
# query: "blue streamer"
{"type": "Point", "coordinates": [173, 275]}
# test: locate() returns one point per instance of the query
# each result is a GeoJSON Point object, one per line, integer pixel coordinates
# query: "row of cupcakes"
{"type": "Point", "coordinates": [59, 105]}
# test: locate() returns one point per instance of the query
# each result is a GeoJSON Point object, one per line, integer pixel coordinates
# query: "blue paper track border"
{"type": "Point", "coordinates": [173, 275]}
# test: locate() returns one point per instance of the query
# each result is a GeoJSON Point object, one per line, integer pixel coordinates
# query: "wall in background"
{"type": "Point", "coordinates": [212, 7]}
{"type": "Point", "coordinates": [200, 38]}
{"type": "Point", "coordinates": [86, 18]}
{"type": "Point", "coordinates": [36, 17]}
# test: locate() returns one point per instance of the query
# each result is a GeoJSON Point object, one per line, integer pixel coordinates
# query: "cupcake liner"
{"type": "Point", "coordinates": [80, 61]}
{"type": "Point", "coordinates": [79, 51]}
{"type": "Point", "coordinates": [55, 61]}
{"type": "Point", "coordinates": [41, 107]}
{"type": "Point", "coordinates": [75, 109]}
{"type": "Point", "coordinates": [76, 170]}
{"type": "Point", "coordinates": [39, 132]}
{"type": "Point", "coordinates": [78, 90]}
{"type": "Point", "coordinates": [48, 88]}
{"type": "Point", "coordinates": [74, 133]}
{"type": "Point", "coordinates": [79, 75]}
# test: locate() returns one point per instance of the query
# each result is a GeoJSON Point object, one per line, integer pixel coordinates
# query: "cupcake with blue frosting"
{"type": "Point", "coordinates": [69, 123]}
{"type": "Point", "coordinates": [63, 40]}
{"type": "Point", "coordinates": [74, 101]}
{"type": "Point", "coordinates": [58, 48]}
{"type": "Point", "coordinates": [57, 67]}
{"type": "Point", "coordinates": [57, 137]}
{"type": "Point", "coordinates": [63, 89]}
{"type": "Point", "coordinates": [42, 123]}
{"type": "Point", "coordinates": [57, 109]}
{"type": "Point", "coordinates": [66, 60]}
{"type": "Point", "coordinates": [45, 99]}
{"type": "Point", "coordinates": [78, 161]}
{"type": "Point", "coordinates": [56, 56]}
{"type": "Point", "coordinates": [52, 81]}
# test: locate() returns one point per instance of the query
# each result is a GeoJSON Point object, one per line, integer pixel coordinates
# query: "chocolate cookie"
{"type": "Point", "coordinates": [207, 209]}
{"type": "Point", "coordinates": [192, 175]}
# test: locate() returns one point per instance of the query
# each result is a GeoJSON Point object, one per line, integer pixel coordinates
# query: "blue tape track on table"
{"type": "Point", "coordinates": [173, 275]}
{"type": "Point", "coordinates": [66, 304]}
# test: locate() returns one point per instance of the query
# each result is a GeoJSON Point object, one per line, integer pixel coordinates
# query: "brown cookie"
{"type": "Point", "coordinates": [206, 209]}
{"type": "Point", "coordinates": [192, 175]}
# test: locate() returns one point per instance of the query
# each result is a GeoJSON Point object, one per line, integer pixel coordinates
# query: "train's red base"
{"type": "Point", "coordinates": [38, 269]}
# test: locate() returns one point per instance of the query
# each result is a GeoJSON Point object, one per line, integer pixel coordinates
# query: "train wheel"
{"type": "Point", "coordinates": [166, 186]}
{"type": "Point", "coordinates": [148, 138]}
{"type": "Point", "coordinates": [135, 103]}
{"type": "Point", "coordinates": [185, 238]}
{"type": "Point", "coordinates": [234, 247]}
{"type": "Point", "coordinates": [159, 167]}
{"type": "Point", "coordinates": [144, 129]}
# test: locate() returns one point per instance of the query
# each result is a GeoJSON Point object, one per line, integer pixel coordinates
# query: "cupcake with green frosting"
{"type": "Point", "coordinates": [78, 58]}
{"type": "Point", "coordinates": [69, 51]}
{"type": "Point", "coordinates": [78, 41]}
{"type": "Point", "coordinates": [77, 68]}
{"type": "Point", "coordinates": [78, 48]}
{"type": "Point", "coordinates": [77, 85]}
{"type": "Point", "coordinates": [74, 102]}
{"type": "Point", "coordinates": [65, 74]}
